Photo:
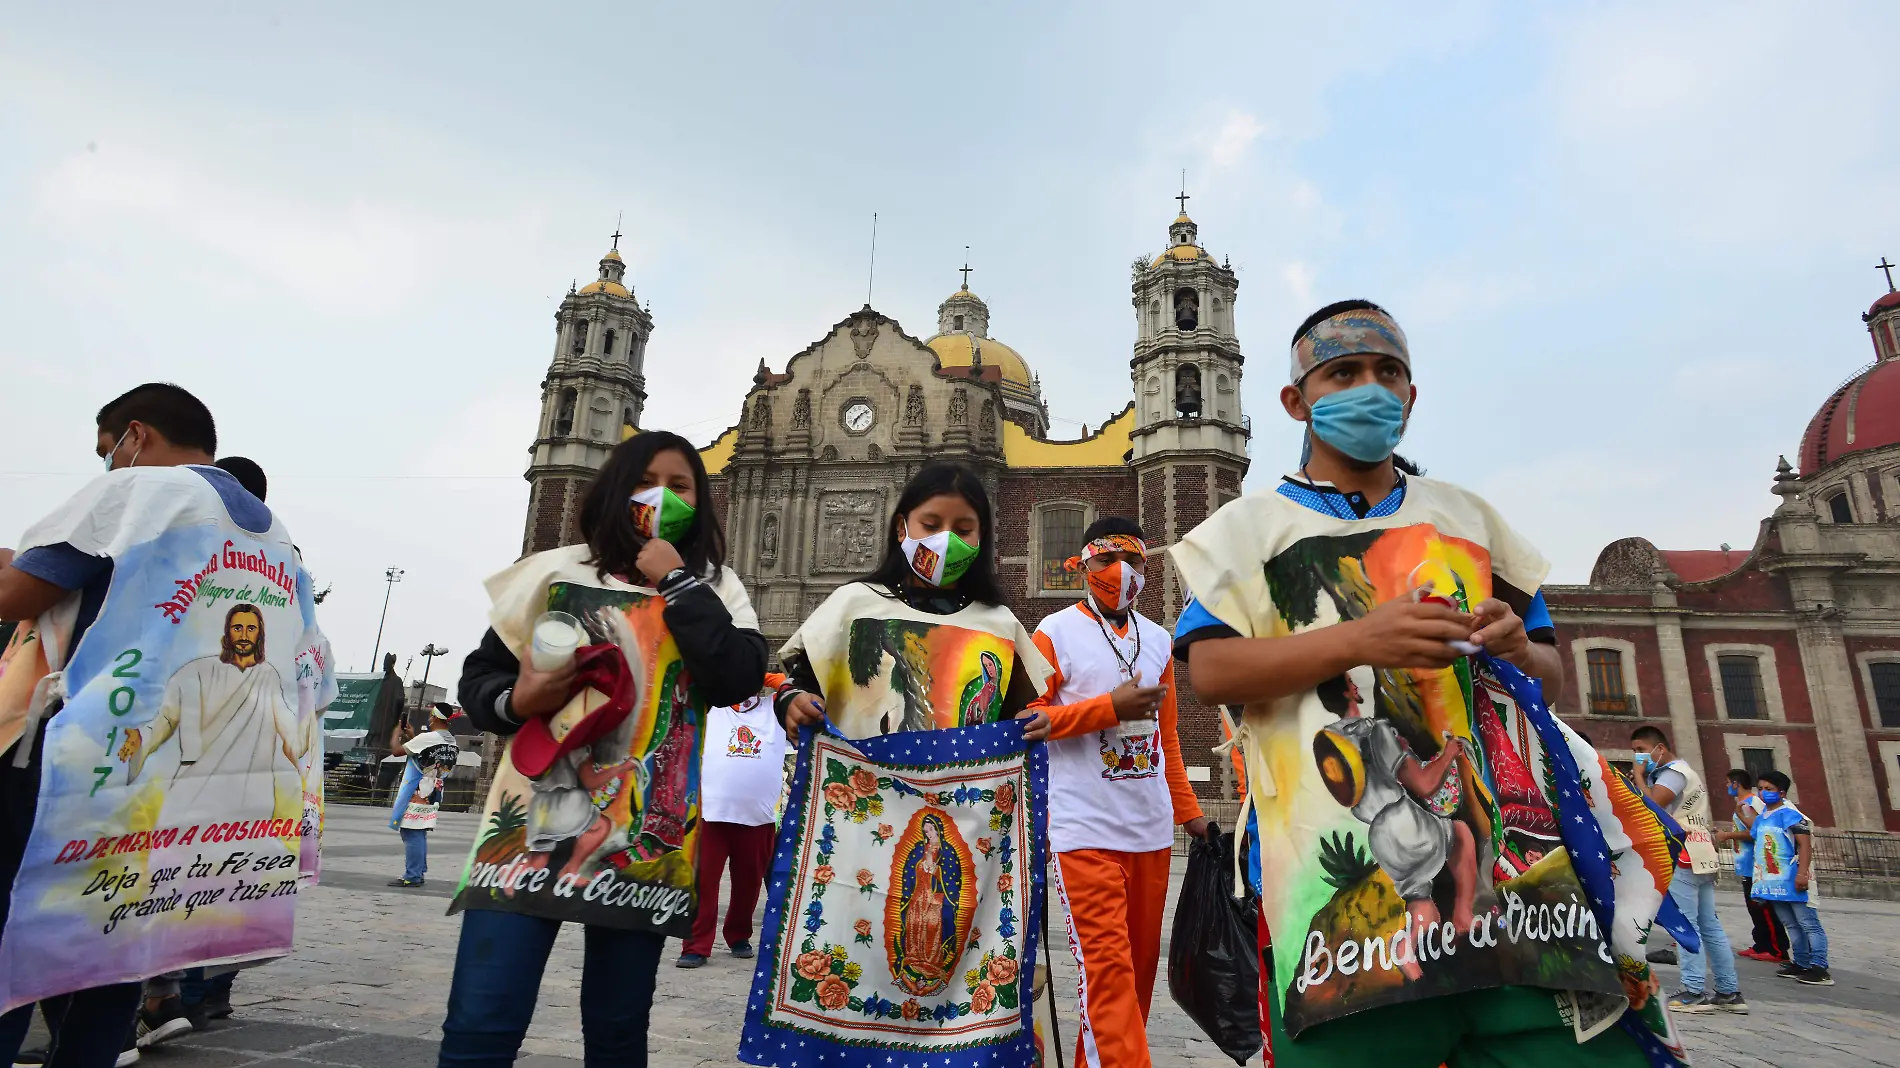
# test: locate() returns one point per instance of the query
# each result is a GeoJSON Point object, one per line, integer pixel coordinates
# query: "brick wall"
{"type": "Point", "coordinates": [547, 514]}
{"type": "Point", "coordinates": [1646, 682]}
{"type": "Point", "coordinates": [1108, 491]}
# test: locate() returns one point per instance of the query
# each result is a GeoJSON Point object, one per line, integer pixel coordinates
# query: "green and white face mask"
{"type": "Point", "coordinates": [941, 559]}
{"type": "Point", "coordinates": [660, 513]}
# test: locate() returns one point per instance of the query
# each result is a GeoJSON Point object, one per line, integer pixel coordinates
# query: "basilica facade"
{"type": "Point", "coordinates": [806, 477]}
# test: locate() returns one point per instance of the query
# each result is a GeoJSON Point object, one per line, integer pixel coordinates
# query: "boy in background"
{"type": "Point", "coordinates": [1784, 865]}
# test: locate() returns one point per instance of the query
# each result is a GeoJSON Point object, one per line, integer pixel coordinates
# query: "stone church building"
{"type": "Point", "coordinates": [806, 478]}
{"type": "Point", "coordinates": [1784, 654]}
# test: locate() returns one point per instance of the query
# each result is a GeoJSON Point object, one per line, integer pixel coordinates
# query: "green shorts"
{"type": "Point", "coordinates": [1508, 1027]}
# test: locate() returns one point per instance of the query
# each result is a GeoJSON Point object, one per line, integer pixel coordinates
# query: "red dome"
{"type": "Point", "coordinates": [1891, 300]}
{"type": "Point", "coordinates": [1863, 414]}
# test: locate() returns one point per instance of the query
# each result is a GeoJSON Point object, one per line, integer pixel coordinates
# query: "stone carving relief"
{"type": "Point", "coordinates": [801, 411]}
{"type": "Point", "coordinates": [959, 407]}
{"type": "Point", "coordinates": [872, 452]}
{"type": "Point", "coordinates": [762, 412]}
{"type": "Point", "coordinates": [768, 539]}
{"type": "Point", "coordinates": [914, 406]}
{"type": "Point", "coordinates": [829, 452]}
{"type": "Point", "coordinates": [849, 525]}
{"type": "Point", "coordinates": [986, 422]}
{"type": "Point", "coordinates": [863, 336]}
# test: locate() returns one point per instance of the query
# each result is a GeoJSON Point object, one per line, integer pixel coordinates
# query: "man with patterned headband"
{"type": "Point", "coordinates": [1117, 789]}
{"type": "Point", "coordinates": [1382, 630]}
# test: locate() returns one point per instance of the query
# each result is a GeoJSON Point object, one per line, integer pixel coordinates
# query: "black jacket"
{"type": "Point", "coordinates": [726, 663]}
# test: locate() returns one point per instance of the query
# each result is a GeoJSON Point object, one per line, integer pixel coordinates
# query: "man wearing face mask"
{"type": "Point", "coordinates": [1117, 788]}
{"type": "Point", "coordinates": [1356, 573]}
{"type": "Point", "coordinates": [1671, 783]}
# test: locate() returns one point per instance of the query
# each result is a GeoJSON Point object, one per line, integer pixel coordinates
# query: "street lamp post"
{"type": "Point", "coordinates": [428, 654]}
{"type": "Point", "coordinates": [392, 576]}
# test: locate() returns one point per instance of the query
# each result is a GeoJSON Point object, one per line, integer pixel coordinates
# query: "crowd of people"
{"type": "Point", "coordinates": [1320, 599]}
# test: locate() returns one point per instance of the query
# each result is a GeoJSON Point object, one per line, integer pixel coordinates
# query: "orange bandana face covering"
{"type": "Point", "coordinates": [1115, 587]}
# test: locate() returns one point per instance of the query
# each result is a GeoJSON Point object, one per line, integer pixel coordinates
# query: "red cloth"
{"type": "Point", "coordinates": [749, 849]}
{"type": "Point", "coordinates": [1114, 901]}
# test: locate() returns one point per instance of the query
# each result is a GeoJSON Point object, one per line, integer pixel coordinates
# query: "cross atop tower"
{"type": "Point", "coordinates": [1183, 198]}
{"type": "Point", "coordinates": [966, 268]}
{"type": "Point", "coordinates": [1886, 267]}
{"type": "Point", "coordinates": [616, 234]}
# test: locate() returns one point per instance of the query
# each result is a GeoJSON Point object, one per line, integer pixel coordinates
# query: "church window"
{"type": "Point", "coordinates": [564, 414]}
{"type": "Point", "coordinates": [1886, 692]}
{"type": "Point", "coordinates": [607, 344]}
{"type": "Point", "coordinates": [1840, 508]}
{"type": "Point", "coordinates": [1609, 693]}
{"type": "Point", "coordinates": [1061, 537]}
{"type": "Point", "coordinates": [1187, 309]}
{"type": "Point", "coordinates": [1756, 761]}
{"type": "Point", "coordinates": [1741, 686]}
{"type": "Point", "coordinates": [580, 336]}
{"type": "Point", "coordinates": [957, 323]}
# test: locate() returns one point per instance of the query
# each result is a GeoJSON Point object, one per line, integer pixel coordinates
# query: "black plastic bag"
{"type": "Point", "coordinates": [1213, 958]}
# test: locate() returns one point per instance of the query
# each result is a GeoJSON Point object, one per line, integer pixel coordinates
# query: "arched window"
{"type": "Point", "coordinates": [580, 337]}
{"type": "Point", "coordinates": [1187, 309]}
{"type": "Point", "coordinates": [956, 323]}
{"type": "Point", "coordinates": [1840, 508]}
{"type": "Point", "coordinates": [564, 413]}
{"type": "Point", "coordinates": [607, 344]}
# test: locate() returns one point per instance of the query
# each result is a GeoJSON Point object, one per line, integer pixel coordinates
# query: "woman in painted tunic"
{"type": "Point", "coordinates": [925, 640]}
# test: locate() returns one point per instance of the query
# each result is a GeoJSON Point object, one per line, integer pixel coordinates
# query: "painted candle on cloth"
{"type": "Point", "coordinates": [902, 916]}
{"type": "Point", "coordinates": [607, 834]}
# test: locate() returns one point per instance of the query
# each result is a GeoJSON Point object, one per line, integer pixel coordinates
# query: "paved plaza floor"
{"type": "Point", "coordinates": [367, 984]}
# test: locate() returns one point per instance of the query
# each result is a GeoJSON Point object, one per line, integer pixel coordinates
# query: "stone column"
{"type": "Point", "coordinates": [1685, 738]}
{"type": "Point", "coordinates": [1839, 727]}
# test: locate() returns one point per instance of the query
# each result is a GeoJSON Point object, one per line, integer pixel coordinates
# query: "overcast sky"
{"type": "Point", "coordinates": [1630, 246]}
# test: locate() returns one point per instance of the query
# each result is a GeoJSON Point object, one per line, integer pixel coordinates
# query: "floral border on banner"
{"type": "Point", "coordinates": [824, 971]}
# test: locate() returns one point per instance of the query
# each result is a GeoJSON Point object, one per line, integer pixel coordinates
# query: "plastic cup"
{"type": "Point", "coordinates": [553, 641]}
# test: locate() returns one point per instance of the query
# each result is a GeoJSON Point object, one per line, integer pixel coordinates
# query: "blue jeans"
{"type": "Point", "coordinates": [196, 989]}
{"type": "Point", "coordinates": [1807, 939]}
{"type": "Point", "coordinates": [498, 967]}
{"type": "Point", "coordinates": [1695, 896]}
{"type": "Point", "coordinates": [415, 852]}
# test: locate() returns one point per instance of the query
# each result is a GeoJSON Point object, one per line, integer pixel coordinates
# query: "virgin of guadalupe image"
{"type": "Point", "coordinates": [231, 721]}
{"type": "Point", "coordinates": [984, 692]}
{"type": "Point", "coordinates": [666, 818]}
{"type": "Point", "coordinates": [927, 921]}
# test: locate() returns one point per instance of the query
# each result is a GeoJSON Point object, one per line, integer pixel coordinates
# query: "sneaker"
{"type": "Point", "coordinates": [130, 1054]}
{"type": "Point", "coordinates": [1692, 1001]}
{"type": "Point", "coordinates": [1815, 977]}
{"type": "Point", "coordinates": [1662, 956]}
{"type": "Point", "coordinates": [690, 960]}
{"type": "Point", "coordinates": [30, 1058]}
{"type": "Point", "coordinates": [406, 883]}
{"type": "Point", "coordinates": [1734, 1003]}
{"type": "Point", "coordinates": [1790, 970]}
{"type": "Point", "coordinates": [164, 1024]}
{"type": "Point", "coordinates": [743, 950]}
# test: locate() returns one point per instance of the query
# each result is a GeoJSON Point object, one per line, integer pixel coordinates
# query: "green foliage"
{"type": "Point", "coordinates": [1344, 862]}
{"type": "Point", "coordinates": [510, 815]}
{"type": "Point", "coordinates": [1296, 577]}
{"type": "Point", "coordinates": [865, 649]}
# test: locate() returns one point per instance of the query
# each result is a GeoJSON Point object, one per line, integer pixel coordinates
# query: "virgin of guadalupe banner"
{"type": "Point", "coordinates": [608, 833]}
{"type": "Point", "coordinates": [180, 780]}
{"type": "Point", "coordinates": [904, 905]}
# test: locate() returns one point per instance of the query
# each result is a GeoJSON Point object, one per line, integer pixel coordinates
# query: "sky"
{"type": "Point", "coordinates": [1630, 242]}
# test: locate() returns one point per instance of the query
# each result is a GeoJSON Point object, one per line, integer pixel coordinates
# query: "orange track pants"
{"type": "Point", "coordinates": [1113, 901]}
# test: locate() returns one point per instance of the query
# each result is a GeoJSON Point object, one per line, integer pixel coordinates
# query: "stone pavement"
{"type": "Point", "coordinates": [367, 985]}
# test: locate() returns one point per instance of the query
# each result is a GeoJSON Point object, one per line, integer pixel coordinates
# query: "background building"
{"type": "Point", "coordinates": [806, 479]}
{"type": "Point", "coordinates": [1785, 654]}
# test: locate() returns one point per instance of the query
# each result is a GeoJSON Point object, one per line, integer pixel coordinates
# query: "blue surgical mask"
{"type": "Point", "coordinates": [1734, 791]}
{"type": "Point", "coordinates": [1770, 797]}
{"type": "Point", "coordinates": [1364, 422]}
{"type": "Point", "coordinates": [114, 451]}
{"type": "Point", "coordinates": [1644, 761]}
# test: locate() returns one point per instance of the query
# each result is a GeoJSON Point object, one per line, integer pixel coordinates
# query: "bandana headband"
{"type": "Point", "coordinates": [1361, 330]}
{"type": "Point", "coordinates": [1107, 543]}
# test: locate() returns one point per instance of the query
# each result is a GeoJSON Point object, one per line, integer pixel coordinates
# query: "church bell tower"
{"type": "Point", "coordinates": [590, 400]}
{"type": "Point", "coordinates": [1190, 437]}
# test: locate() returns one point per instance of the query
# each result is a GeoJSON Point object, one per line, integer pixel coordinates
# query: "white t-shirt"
{"type": "Point", "coordinates": [743, 769]}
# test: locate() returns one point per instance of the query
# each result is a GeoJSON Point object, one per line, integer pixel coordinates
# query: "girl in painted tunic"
{"type": "Point", "coordinates": [924, 641]}
{"type": "Point", "coordinates": [502, 954]}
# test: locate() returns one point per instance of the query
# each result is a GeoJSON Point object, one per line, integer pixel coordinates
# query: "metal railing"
{"type": "Point", "coordinates": [1613, 704]}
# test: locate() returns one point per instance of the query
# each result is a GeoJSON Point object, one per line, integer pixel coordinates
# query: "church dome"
{"type": "Point", "coordinates": [953, 350]}
{"type": "Point", "coordinates": [1862, 414]}
{"type": "Point", "coordinates": [612, 289]}
{"type": "Point", "coordinates": [1889, 300]}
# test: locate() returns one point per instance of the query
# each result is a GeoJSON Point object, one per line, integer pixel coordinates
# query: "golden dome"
{"type": "Point", "coordinates": [612, 289]}
{"type": "Point", "coordinates": [1185, 253]}
{"type": "Point", "coordinates": [614, 255]}
{"type": "Point", "coordinates": [953, 350]}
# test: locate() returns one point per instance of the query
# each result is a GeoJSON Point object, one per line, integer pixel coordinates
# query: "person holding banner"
{"type": "Point", "coordinates": [1117, 789]}
{"type": "Point", "coordinates": [924, 641]}
{"type": "Point", "coordinates": [163, 563]}
{"type": "Point", "coordinates": [600, 666]}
